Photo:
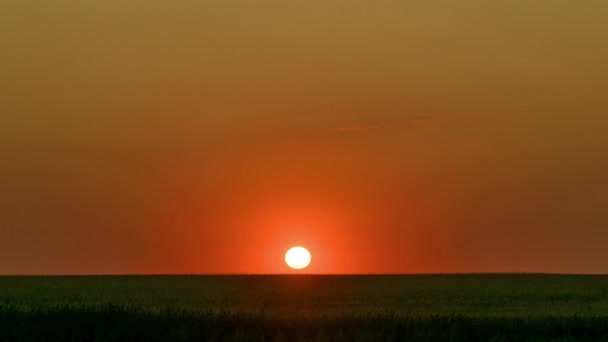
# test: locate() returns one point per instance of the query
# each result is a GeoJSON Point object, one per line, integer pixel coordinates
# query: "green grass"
{"type": "Point", "coordinates": [304, 307]}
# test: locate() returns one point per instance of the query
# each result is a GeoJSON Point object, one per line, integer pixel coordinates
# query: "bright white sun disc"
{"type": "Point", "coordinates": [297, 258]}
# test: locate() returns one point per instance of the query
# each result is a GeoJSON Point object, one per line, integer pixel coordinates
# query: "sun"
{"type": "Point", "coordinates": [297, 258]}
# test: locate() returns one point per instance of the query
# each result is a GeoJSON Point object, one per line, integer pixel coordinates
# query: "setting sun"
{"type": "Point", "coordinates": [297, 258]}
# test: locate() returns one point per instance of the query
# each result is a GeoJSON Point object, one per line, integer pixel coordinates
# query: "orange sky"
{"type": "Point", "coordinates": [386, 136]}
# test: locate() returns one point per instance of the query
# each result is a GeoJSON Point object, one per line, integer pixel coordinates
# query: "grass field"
{"type": "Point", "coordinates": [305, 307]}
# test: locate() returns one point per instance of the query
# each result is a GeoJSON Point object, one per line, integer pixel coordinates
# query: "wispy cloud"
{"type": "Point", "coordinates": [392, 123]}
{"type": "Point", "coordinates": [420, 118]}
{"type": "Point", "coordinates": [357, 128]}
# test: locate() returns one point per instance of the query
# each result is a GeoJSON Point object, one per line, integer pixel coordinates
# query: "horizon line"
{"type": "Point", "coordinates": [287, 274]}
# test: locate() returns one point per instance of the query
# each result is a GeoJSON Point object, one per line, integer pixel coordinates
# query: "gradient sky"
{"type": "Point", "coordinates": [203, 136]}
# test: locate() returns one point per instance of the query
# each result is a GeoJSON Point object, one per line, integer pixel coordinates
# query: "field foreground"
{"type": "Point", "coordinates": [305, 307]}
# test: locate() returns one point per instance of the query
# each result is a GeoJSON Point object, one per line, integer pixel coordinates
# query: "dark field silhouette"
{"type": "Point", "coordinates": [305, 307]}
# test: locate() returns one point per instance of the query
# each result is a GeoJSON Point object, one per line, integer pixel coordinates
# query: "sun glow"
{"type": "Point", "coordinates": [297, 258]}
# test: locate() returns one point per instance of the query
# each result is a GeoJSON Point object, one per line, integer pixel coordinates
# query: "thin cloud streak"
{"type": "Point", "coordinates": [357, 128]}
